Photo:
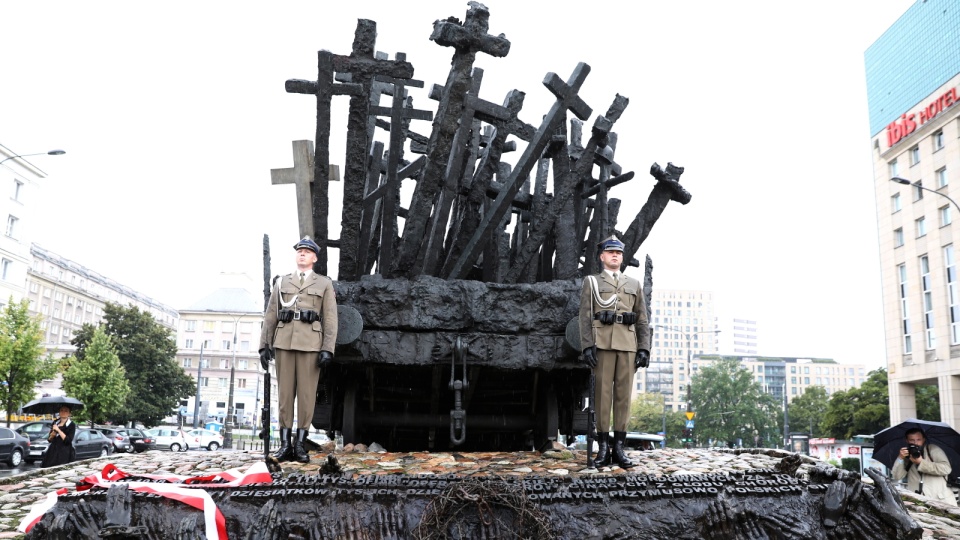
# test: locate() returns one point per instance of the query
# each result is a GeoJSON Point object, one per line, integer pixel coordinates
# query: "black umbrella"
{"type": "Point", "coordinates": [887, 443]}
{"type": "Point", "coordinates": [51, 405]}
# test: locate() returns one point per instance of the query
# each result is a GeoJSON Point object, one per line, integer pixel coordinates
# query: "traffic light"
{"type": "Point", "coordinates": [687, 435]}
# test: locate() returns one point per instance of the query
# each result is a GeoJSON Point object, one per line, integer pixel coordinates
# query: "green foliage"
{"type": "Point", "coordinates": [147, 351]}
{"type": "Point", "coordinates": [98, 380]}
{"type": "Point", "coordinates": [647, 416]}
{"type": "Point", "coordinates": [807, 410]}
{"type": "Point", "coordinates": [850, 464]}
{"type": "Point", "coordinates": [731, 405]}
{"type": "Point", "coordinates": [859, 411]}
{"type": "Point", "coordinates": [21, 363]}
{"type": "Point", "coordinates": [928, 402]}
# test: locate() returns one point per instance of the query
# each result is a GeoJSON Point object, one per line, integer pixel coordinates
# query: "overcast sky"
{"type": "Point", "coordinates": [173, 113]}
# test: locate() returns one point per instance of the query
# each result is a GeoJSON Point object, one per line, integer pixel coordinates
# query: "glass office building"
{"type": "Point", "coordinates": [913, 87]}
{"type": "Point", "coordinates": [917, 54]}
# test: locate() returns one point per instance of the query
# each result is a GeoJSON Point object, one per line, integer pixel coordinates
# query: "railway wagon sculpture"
{"type": "Point", "coordinates": [455, 305]}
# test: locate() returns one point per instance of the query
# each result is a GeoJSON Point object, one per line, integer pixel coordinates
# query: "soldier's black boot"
{"type": "Point", "coordinates": [603, 450]}
{"type": "Point", "coordinates": [618, 454]}
{"type": "Point", "coordinates": [285, 453]}
{"type": "Point", "coordinates": [299, 452]}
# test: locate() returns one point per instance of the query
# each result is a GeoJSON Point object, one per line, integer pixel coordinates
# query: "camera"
{"type": "Point", "coordinates": [914, 450]}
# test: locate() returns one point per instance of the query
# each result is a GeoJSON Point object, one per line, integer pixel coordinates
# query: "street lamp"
{"type": "Point", "coordinates": [918, 185]}
{"type": "Point", "coordinates": [231, 414]}
{"type": "Point", "coordinates": [50, 153]}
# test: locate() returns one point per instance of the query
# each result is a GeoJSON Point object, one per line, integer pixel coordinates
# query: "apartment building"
{"type": "Point", "coordinates": [683, 325]}
{"type": "Point", "coordinates": [217, 339]}
{"type": "Point", "coordinates": [913, 88]}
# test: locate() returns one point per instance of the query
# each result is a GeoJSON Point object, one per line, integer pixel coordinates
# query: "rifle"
{"type": "Point", "coordinates": [265, 411]}
{"type": "Point", "coordinates": [591, 414]}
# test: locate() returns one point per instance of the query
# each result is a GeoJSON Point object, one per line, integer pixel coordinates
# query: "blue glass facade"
{"type": "Point", "coordinates": [916, 55]}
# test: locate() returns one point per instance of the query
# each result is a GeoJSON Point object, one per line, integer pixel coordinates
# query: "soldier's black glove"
{"type": "Point", "coordinates": [589, 358]}
{"type": "Point", "coordinates": [643, 359]}
{"type": "Point", "coordinates": [265, 355]}
{"type": "Point", "coordinates": [324, 359]}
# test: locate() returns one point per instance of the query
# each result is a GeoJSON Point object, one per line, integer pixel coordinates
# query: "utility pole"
{"type": "Point", "coordinates": [196, 400]}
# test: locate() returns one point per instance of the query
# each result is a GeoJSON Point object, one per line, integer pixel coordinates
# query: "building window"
{"type": "Point", "coordinates": [953, 293]}
{"type": "Point", "coordinates": [241, 364]}
{"type": "Point", "coordinates": [241, 383]}
{"type": "Point", "coordinates": [914, 155]}
{"type": "Point", "coordinates": [224, 363]}
{"type": "Point", "coordinates": [191, 326]}
{"type": "Point", "coordinates": [926, 287]}
{"type": "Point", "coordinates": [921, 227]}
{"type": "Point", "coordinates": [12, 226]}
{"type": "Point", "coordinates": [895, 203]}
{"type": "Point", "coordinates": [904, 312]}
{"type": "Point", "coordinates": [806, 380]}
{"type": "Point", "coordinates": [898, 237]}
{"type": "Point", "coordinates": [208, 326]}
{"type": "Point", "coordinates": [918, 190]}
{"type": "Point", "coordinates": [34, 286]}
{"type": "Point", "coordinates": [226, 345]}
{"type": "Point", "coordinates": [6, 268]}
{"type": "Point", "coordinates": [222, 382]}
{"type": "Point", "coordinates": [894, 169]}
{"type": "Point", "coordinates": [188, 344]}
{"type": "Point", "coordinates": [945, 215]}
{"type": "Point", "coordinates": [188, 362]}
{"type": "Point", "coordinates": [204, 381]}
{"type": "Point", "coordinates": [942, 179]}
{"type": "Point", "coordinates": [938, 140]}
{"type": "Point", "coordinates": [17, 185]}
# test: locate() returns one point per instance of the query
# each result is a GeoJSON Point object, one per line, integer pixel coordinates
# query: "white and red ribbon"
{"type": "Point", "coordinates": [190, 490]}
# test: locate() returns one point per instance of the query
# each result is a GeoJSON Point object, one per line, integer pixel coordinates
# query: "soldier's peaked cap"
{"type": "Point", "coordinates": [307, 243]}
{"type": "Point", "coordinates": [611, 244]}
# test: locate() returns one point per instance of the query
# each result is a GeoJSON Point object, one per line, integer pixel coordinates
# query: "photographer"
{"type": "Point", "coordinates": [926, 468]}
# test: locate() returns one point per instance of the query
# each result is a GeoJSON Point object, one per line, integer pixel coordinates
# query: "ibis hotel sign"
{"type": "Point", "coordinates": [910, 121]}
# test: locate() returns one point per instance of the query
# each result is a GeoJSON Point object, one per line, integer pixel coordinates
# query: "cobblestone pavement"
{"type": "Point", "coordinates": [19, 492]}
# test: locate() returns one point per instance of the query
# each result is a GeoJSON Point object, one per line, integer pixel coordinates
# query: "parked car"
{"type": "Point", "coordinates": [124, 439]}
{"type": "Point", "coordinates": [14, 447]}
{"type": "Point", "coordinates": [171, 438]}
{"type": "Point", "coordinates": [90, 443]}
{"type": "Point", "coordinates": [211, 440]}
{"type": "Point", "coordinates": [141, 441]}
{"type": "Point", "coordinates": [37, 432]}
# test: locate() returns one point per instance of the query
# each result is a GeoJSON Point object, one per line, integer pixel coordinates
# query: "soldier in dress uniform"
{"type": "Point", "coordinates": [300, 330]}
{"type": "Point", "coordinates": [615, 337]}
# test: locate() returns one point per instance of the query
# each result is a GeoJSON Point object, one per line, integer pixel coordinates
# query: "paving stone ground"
{"type": "Point", "coordinates": [18, 492]}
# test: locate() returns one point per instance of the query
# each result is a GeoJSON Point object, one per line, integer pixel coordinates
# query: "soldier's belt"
{"type": "Point", "coordinates": [627, 318]}
{"type": "Point", "coordinates": [308, 316]}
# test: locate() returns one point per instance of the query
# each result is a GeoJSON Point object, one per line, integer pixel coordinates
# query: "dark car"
{"type": "Point", "coordinates": [37, 432]}
{"type": "Point", "coordinates": [90, 443]}
{"type": "Point", "coordinates": [124, 439]}
{"type": "Point", "coordinates": [141, 440]}
{"type": "Point", "coordinates": [14, 448]}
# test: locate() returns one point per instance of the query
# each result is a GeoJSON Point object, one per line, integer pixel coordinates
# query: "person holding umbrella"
{"type": "Point", "coordinates": [60, 451]}
{"type": "Point", "coordinates": [926, 467]}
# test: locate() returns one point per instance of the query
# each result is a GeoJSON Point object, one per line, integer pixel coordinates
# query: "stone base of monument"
{"type": "Point", "coordinates": [757, 504]}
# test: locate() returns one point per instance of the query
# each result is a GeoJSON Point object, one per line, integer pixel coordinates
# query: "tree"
{"type": "Point", "coordinates": [928, 402]}
{"type": "Point", "coordinates": [648, 414]}
{"type": "Point", "coordinates": [98, 380]}
{"type": "Point", "coordinates": [21, 350]}
{"type": "Point", "coordinates": [147, 351]}
{"type": "Point", "coordinates": [859, 411]}
{"type": "Point", "coordinates": [807, 410]}
{"type": "Point", "coordinates": [731, 405]}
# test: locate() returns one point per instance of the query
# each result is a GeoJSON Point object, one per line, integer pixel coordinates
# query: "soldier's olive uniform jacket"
{"type": "Point", "coordinates": [617, 336]}
{"type": "Point", "coordinates": [315, 294]}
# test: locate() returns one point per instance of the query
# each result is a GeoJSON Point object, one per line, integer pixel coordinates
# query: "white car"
{"type": "Point", "coordinates": [211, 440]}
{"type": "Point", "coordinates": [175, 439]}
